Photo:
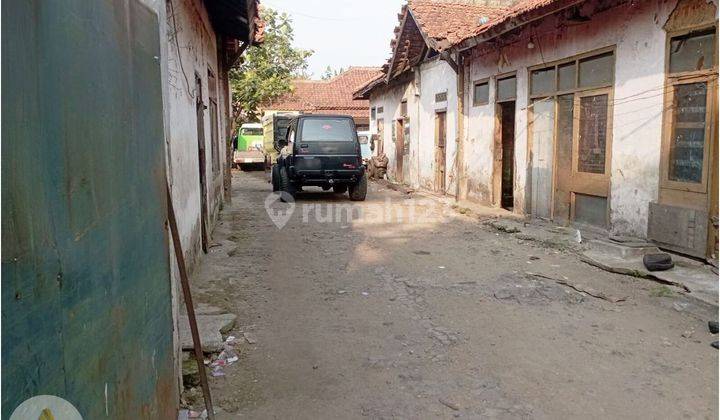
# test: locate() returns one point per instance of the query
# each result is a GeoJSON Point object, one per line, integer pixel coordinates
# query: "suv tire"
{"type": "Point", "coordinates": [358, 191]}
{"type": "Point", "coordinates": [287, 189]}
{"type": "Point", "coordinates": [275, 178]}
{"type": "Point", "coordinates": [340, 188]}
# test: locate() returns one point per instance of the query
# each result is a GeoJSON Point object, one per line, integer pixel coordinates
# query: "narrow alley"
{"type": "Point", "coordinates": [439, 316]}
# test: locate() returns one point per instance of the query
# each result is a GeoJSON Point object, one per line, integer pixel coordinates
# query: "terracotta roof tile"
{"type": "Point", "coordinates": [329, 96]}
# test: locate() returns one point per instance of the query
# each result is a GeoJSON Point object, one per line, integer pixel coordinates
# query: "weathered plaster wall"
{"type": "Point", "coordinates": [436, 77]}
{"type": "Point", "coordinates": [190, 33]}
{"type": "Point", "coordinates": [636, 31]}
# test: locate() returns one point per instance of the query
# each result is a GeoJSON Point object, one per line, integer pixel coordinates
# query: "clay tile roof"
{"type": "Point", "coordinates": [447, 22]}
{"type": "Point", "coordinates": [329, 96]}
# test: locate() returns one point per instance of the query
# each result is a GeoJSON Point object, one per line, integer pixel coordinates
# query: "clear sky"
{"type": "Point", "coordinates": [342, 32]}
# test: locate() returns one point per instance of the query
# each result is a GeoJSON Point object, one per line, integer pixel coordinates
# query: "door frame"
{"type": "Point", "coordinates": [399, 148]}
{"type": "Point", "coordinates": [584, 182]}
{"type": "Point", "coordinates": [202, 167]}
{"type": "Point", "coordinates": [440, 157]}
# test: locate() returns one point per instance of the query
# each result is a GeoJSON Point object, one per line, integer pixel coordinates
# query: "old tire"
{"type": "Point", "coordinates": [275, 178]}
{"type": "Point", "coordinates": [358, 191]}
{"type": "Point", "coordinates": [658, 262]}
{"type": "Point", "coordinates": [340, 188]}
{"type": "Point", "coordinates": [287, 189]}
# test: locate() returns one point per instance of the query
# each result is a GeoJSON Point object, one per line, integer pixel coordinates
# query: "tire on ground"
{"type": "Point", "coordinates": [275, 178]}
{"type": "Point", "coordinates": [287, 189]}
{"type": "Point", "coordinates": [358, 191]}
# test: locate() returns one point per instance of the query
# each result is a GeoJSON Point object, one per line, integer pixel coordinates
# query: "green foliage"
{"type": "Point", "coordinates": [661, 291]}
{"type": "Point", "coordinates": [267, 70]}
{"type": "Point", "coordinates": [329, 72]}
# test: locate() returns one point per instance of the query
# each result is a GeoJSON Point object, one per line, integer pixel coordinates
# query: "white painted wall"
{"type": "Point", "coordinates": [436, 77]}
{"type": "Point", "coordinates": [636, 31]}
{"type": "Point", "coordinates": [197, 47]}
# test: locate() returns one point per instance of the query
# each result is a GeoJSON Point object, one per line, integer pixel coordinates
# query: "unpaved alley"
{"type": "Point", "coordinates": [436, 315]}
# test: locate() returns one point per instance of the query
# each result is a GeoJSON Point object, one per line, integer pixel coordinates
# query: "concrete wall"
{"type": "Point", "coordinates": [190, 33]}
{"type": "Point", "coordinates": [636, 32]}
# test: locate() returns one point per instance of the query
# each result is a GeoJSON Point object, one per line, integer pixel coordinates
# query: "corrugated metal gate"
{"type": "Point", "coordinates": [86, 309]}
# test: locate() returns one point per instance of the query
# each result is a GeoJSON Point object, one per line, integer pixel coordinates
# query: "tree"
{"type": "Point", "coordinates": [329, 73]}
{"type": "Point", "coordinates": [267, 70]}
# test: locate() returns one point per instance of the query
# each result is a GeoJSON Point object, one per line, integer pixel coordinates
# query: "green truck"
{"type": "Point", "coordinates": [249, 147]}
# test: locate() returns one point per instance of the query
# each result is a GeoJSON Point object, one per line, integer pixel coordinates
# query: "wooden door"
{"type": "Point", "coordinates": [542, 117]}
{"type": "Point", "coordinates": [440, 153]}
{"type": "Point", "coordinates": [200, 117]}
{"type": "Point", "coordinates": [381, 136]}
{"type": "Point", "coordinates": [590, 180]}
{"type": "Point", "coordinates": [399, 150]}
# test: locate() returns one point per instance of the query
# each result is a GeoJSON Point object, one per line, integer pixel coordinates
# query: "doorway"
{"type": "Point", "coordinates": [399, 149]}
{"type": "Point", "coordinates": [381, 136]}
{"type": "Point", "coordinates": [200, 117]}
{"type": "Point", "coordinates": [440, 153]}
{"type": "Point", "coordinates": [507, 139]}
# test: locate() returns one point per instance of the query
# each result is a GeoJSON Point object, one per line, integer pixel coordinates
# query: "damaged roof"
{"type": "Point", "coordinates": [443, 24]}
{"type": "Point", "coordinates": [334, 95]}
{"type": "Point", "coordinates": [237, 19]}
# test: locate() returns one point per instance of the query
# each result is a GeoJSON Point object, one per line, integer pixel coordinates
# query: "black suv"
{"type": "Point", "coordinates": [321, 151]}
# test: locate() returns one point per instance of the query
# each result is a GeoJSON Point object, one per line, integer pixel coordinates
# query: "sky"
{"type": "Point", "coordinates": [342, 32]}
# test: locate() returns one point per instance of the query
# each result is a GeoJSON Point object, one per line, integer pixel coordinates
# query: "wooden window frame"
{"type": "Point", "coordinates": [576, 92]}
{"type": "Point", "coordinates": [504, 76]}
{"type": "Point", "coordinates": [576, 59]}
{"type": "Point", "coordinates": [576, 132]}
{"type": "Point", "coordinates": [475, 84]}
{"type": "Point", "coordinates": [709, 76]}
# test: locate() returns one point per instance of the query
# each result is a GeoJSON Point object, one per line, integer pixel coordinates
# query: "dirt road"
{"type": "Point", "coordinates": [436, 317]}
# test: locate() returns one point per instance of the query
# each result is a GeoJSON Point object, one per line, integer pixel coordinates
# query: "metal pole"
{"type": "Point", "coordinates": [179, 256]}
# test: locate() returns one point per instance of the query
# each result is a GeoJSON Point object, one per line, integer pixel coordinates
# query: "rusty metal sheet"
{"type": "Point", "coordinates": [86, 308]}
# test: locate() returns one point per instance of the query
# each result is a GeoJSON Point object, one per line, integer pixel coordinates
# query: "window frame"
{"type": "Point", "coordinates": [672, 80]}
{"type": "Point", "coordinates": [504, 76]}
{"type": "Point", "coordinates": [475, 84]}
{"type": "Point", "coordinates": [576, 60]}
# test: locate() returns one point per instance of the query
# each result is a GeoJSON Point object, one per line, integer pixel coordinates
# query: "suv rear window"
{"type": "Point", "coordinates": [251, 131]}
{"type": "Point", "coordinates": [327, 129]}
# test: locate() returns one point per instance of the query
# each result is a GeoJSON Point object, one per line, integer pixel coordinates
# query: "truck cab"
{"type": "Point", "coordinates": [321, 151]}
{"type": "Point", "coordinates": [249, 146]}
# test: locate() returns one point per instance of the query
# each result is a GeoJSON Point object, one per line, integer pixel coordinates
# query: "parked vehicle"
{"type": "Point", "coordinates": [249, 150]}
{"type": "Point", "coordinates": [274, 129]}
{"type": "Point", "coordinates": [364, 137]}
{"type": "Point", "coordinates": [322, 151]}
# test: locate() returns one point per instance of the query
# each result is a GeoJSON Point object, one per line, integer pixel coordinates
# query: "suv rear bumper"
{"type": "Point", "coordinates": [327, 177]}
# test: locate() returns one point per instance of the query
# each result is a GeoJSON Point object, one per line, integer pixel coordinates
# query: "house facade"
{"type": "Point", "coordinates": [597, 113]}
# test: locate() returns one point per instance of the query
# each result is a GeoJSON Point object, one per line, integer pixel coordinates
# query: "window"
{"type": "Point", "coordinates": [251, 131]}
{"type": "Point", "coordinates": [481, 93]}
{"type": "Point", "coordinates": [403, 108]}
{"type": "Point", "coordinates": [372, 113]}
{"type": "Point", "coordinates": [592, 138]}
{"type": "Point", "coordinates": [542, 81]}
{"type": "Point", "coordinates": [441, 97]}
{"type": "Point", "coordinates": [566, 76]}
{"type": "Point", "coordinates": [596, 71]}
{"type": "Point", "coordinates": [693, 51]}
{"type": "Point", "coordinates": [505, 89]}
{"type": "Point", "coordinates": [326, 129]}
{"type": "Point", "coordinates": [687, 140]}
{"type": "Point", "coordinates": [692, 67]}
{"type": "Point", "coordinates": [380, 110]}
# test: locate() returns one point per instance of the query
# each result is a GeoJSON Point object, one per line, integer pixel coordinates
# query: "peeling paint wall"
{"type": "Point", "coordinates": [190, 33]}
{"type": "Point", "coordinates": [437, 77]}
{"type": "Point", "coordinates": [86, 305]}
{"type": "Point", "coordinates": [430, 78]}
{"type": "Point", "coordinates": [636, 31]}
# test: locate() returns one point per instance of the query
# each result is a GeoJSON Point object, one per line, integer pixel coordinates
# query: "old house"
{"type": "Point", "coordinates": [332, 96]}
{"type": "Point", "coordinates": [103, 103]}
{"type": "Point", "coordinates": [601, 113]}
